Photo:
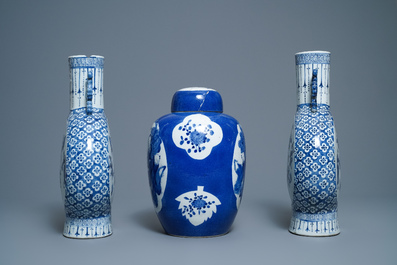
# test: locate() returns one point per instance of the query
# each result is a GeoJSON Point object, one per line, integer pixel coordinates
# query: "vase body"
{"type": "Point", "coordinates": [196, 162]}
{"type": "Point", "coordinates": [87, 164]}
{"type": "Point", "coordinates": [313, 161]}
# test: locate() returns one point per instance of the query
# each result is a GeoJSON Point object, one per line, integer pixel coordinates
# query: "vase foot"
{"type": "Point", "coordinates": [305, 224]}
{"type": "Point", "coordinates": [87, 227]}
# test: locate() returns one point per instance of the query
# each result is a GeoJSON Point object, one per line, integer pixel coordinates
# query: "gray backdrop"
{"type": "Point", "coordinates": [245, 50]}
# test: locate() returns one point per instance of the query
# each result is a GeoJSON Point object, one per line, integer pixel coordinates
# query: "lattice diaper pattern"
{"type": "Point", "coordinates": [315, 168]}
{"type": "Point", "coordinates": [88, 166]}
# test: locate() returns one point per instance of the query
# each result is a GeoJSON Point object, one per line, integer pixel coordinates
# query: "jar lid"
{"type": "Point", "coordinates": [197, 99]}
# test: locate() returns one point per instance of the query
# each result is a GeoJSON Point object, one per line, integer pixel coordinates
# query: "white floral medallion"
{"type": "Point", "coordinates": [198, 206]}
{"type": "Point", "coordinates": [238, 166]}
{"type": "Point", "coordinates": [197, 134]}
{"type": "Point", "coordinates": [157, 162]}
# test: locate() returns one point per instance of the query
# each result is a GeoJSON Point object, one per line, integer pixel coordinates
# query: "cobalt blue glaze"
{"type": "Point", "coordinates": [196, 162]}
{"type": "Point", "coordinates": [198, 100]}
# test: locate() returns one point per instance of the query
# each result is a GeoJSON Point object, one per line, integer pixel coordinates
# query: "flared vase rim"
{"type": "Point", "coordinates": [85, 56]}
{"type": "Point", "coordinates": [310, 52]}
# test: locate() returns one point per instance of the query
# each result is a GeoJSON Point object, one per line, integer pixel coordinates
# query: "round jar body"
{"type": "Point", "coordinates": [196, 172]}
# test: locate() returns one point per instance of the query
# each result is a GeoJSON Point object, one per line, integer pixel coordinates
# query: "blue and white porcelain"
{"type": "Point", "coordinates": [313, 160]}
{"type": "Point", "coordinates": [196, 161]}
{"type": "Point", "coordinates": [87, 164]}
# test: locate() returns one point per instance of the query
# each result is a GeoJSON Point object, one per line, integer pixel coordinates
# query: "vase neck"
{"type": "Point", "coordinates": [312, 77]}
{"type": "Point", "coordinates": [86, 81]}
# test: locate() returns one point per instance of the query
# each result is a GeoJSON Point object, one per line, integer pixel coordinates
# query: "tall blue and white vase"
{"type": "Point", "coordinates": [313, 160]}
{"type": "Point", "coordinates": [87, 164]}
{"type": "Point", "coordinates": [196, 162]}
